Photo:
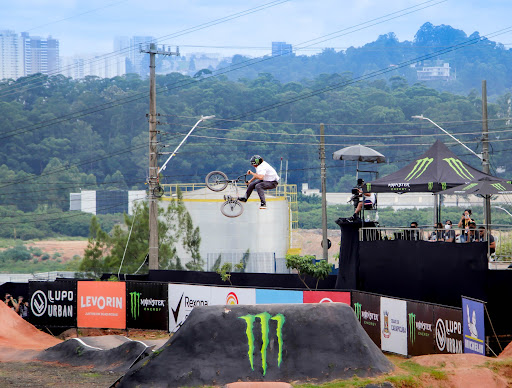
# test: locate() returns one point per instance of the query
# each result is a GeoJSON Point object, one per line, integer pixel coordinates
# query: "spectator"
{"type": "Point", "coordinates": [23, 307]}
{"type": "Point", "coordinates": [437, 234]}
{"type": "Point", "coordinates": [11, 302]}
{"type": "Point", "coordinates": [449, 233]}
{"type": "Point", "coordinates": [472, 235]}
{"type": "Point", "coordinates": [464, 224]}
{"type": "Point", "coordinates": [482, 236]}
{"type": "Point", "coordinates": [412, 234]}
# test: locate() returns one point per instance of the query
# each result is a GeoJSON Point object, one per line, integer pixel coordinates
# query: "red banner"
{"type": "Point", "coordinates": [101, 305]}
{"type": "Point", "coordinates": [326, 297]}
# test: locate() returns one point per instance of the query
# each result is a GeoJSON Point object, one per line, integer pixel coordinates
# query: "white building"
{"type": "Point", "coordinates": [430, 73]}
{"type": "Point", "coordinates": [11, 55]}
{"type": "Point", "coordinates": [103, 66]}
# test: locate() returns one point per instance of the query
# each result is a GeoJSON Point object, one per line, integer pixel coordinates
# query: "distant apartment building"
{"type": "Point", "coordinates": [106, 201]}
{"type": "Point", "coordinates": [435, 70]}
{"type": "Point", "coordinates": [103, 66]}
{"type": "Point", "coordinates": [281, 48]}
{"type": "Point", "coordinates": [41, 54]}
{"type": "Point", "coordinates": [138, 62]}
{"type": "Point", "coordinates": [11, 55]}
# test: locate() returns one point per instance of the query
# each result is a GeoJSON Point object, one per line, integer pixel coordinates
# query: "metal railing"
{"type": "Point", "coordinates": [499, 257]}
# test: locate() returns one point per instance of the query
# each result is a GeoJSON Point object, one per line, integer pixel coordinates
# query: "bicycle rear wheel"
{"type": "Point", "coordinates": [216, 181]}
{"type": "Point", "coordinates": [232, 209]}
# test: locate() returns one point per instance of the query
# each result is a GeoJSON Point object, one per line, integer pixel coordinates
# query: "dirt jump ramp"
{"type": "Point", "coordinates": [76, 352]}
{"type": "Point", "coordinates": [218, 345]}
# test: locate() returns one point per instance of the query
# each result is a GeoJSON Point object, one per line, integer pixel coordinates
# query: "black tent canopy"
{"type": "Point", "coordinates": [436, 170]}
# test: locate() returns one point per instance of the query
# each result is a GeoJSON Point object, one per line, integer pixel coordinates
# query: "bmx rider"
{"type": "Point", "coordinates": [265, 178]}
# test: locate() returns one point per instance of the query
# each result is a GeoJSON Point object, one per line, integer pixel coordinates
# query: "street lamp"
{"type": "Point", "coordinates": [183, 141]}
{"type": "Point", "coordinates": [421, 117]}
{"type": "Point", "coordinates": [502, 208]}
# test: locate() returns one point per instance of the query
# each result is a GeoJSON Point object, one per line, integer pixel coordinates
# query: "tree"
{"type": "Point", "coordinates": [305, 266]}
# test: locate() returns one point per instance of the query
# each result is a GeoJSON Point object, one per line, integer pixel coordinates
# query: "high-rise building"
{"type": "Point", "coordinates": [139, 62]}
{"type": "Point", "coordinates": [281, 48]}
{"type": "Point", "coordinates": [41, 54]}
{"type": "Point", "coordinates": [11, 55]}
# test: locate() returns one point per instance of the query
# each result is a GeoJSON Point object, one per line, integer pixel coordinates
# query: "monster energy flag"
{"type": "Point", "coordinates": [147, 306]}
{"type": "Point", "coordinates": [436, 170]}
{"type": "Point", "coordinates": [420, 329]}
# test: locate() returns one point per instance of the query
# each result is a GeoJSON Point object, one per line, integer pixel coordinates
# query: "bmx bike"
{"type": "Point", "coordinates": [218, 181]}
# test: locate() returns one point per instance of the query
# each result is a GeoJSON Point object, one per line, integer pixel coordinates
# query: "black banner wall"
{"type": "Point", "coordinates": [53, 303]}
{"type": "Point", "coordinates": [420, 329]}
{"type": "Point", "coordinates": [147, 305]}
{"type": "Point", "coordinates": [448, 330]}
{"type": "Point", "coordinates": [367, 310]}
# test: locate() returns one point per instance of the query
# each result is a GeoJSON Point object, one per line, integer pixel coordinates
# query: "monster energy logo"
{"type": "Point", "coordinates": [264, 321]}
{"type": "Point", "coordinates": [430, 186]}
{"type": "Point", "coordinates": [135, 304]}
{"type": "Point", "coordinates": [459, 168]}
{"type": "Point", "coordinates": [357, 310]}
{"type": "Point", "coordinates": [443, 185]}
{"type": "Point", "coordinates": [469, 186]}
{"type": "Point", "coordinates": [368, 187]}
{"type": "Point", "coordinates": [419, 168]}
{"type": "Point", "coordinates": [498, 186]}
{"type": "Point", "coordinates": [412, 327]}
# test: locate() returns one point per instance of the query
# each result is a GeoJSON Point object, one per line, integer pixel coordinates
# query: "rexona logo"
{"type": "Point", "coordinates": [53, 303]}
{"type": "Point", "coordinates": [421, 328]}
{"type": "Point", "coordinates": [443, 341]}
{"type": "Point", "coordinates": [419, 168]}
{"type": "Point", "coordinates": [231, 298]}
{"type": "Point", "coordinates": [459, 168]}
{"type": "Point", "coordinates": [148, 304]}
{"type": "Point", "coordinates": [264, 318]}
{"type": "Point", "coordinates": [365, 317]}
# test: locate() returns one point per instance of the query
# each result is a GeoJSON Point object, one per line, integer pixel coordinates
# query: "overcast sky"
{"type": "Point", "coordinates": [84, 27]}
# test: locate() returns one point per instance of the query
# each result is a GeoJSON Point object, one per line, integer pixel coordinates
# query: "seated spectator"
{"type": "Point", "coordinates": [412, 234]}
{"type": "Point", "coordinates": [472, 235]}
{"type": "Point", "coordinates": [368, 202]}
{"type": "Point", "coordinates": [23, 307]}
{"type": "Point", "coordinates": [464, 224]}
{"type": "Point", "coordinates": [449, 233]}
{"type": "Point", "coordinates": [11, 302]}
{"type": "Point", "coordinates": [437, 234]}
{"type": "Point", "coordinates": [482, 236]}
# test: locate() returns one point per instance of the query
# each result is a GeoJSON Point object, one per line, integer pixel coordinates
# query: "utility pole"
{"type": "Point", "coordinates": [324, 197]}
{"type": "Point", "coordinates": [485, 152]}
{"type": "Point", "coordinates": [153, 155]}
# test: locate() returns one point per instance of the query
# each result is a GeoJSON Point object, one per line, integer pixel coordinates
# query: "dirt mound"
{"type": "Point", "coordinates": [281, 342]}
{"type": "Point", "coordinates": [17, 333]}
{"type": "Point", "coordinates": [507, 352]}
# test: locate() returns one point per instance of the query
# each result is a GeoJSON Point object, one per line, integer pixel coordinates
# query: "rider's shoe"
{"type": "Point", "coordinates": [263, 205]}
{"type": "Point", "coordinates": [242, 199]}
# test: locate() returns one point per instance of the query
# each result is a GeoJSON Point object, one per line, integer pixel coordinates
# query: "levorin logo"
{"type": "Point", "coordinates": [419, 168]}
{"type": "Point", "coordinates": [459, 168]}
{"type": "Point", "coordinates": [264, 321]}
{"type": "Point", "coordinates": [412, 327]}
{"type": "Point", "coordinates": [135, 304]}
{"type": "Point", "coordinates": [498, 186]}
{"type": "Point", "coordinates": [357, 310]}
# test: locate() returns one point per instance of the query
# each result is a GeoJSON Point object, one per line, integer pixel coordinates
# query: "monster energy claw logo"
{"type": "Point", "coordinates": [459, 168]}
{"type": "Point", "coordinates": [419, 168]}
{"type": "Point", "coordinates": [357, 310]}
{"type": "Point", "coordinates": [412, 327]}
{"type": "Point", "coordinates": [430, 186]}
{"type": "Point", "coordinates": [264, 321]}
{"type": "Point", "coordinates": [135, 304]}
{"type": "Point", "coordinates": [368, 187]}
{"type": "Point", "coordinates": [443, 185]}
{"type": "Point", "coordinates": [469, 186]}
{"type": "Point", "coordinates": [498, 186]}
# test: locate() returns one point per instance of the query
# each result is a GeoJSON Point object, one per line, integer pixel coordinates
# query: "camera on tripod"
{"type": "Point", "coordinates": [357, 192]}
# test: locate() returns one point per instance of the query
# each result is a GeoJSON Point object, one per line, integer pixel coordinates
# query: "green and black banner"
{"type": "Point", "coordinates": [367, 309]}
{"type": "Point", "coordinates": [147, 305]}
{"type": "Point", "coordinates": [420, 329]}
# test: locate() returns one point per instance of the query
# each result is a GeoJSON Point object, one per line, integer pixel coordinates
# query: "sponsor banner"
{"type": "Point", "coordinates": [393, 325]}
{"type": "Point", "coordinates": [473, 326]}
{"type": "Point", "coordinates": [146, 305]}
{"type": "Point", "coordinates": [367, 310]}
{"type": "Point", "coordinates": [101, 305]}
{"type": "Point", "coordinates": [53, 303]}
{"type": "Point", "coordinates": [278, 296]}
{"type": "Point", "coordinates": [182, 299]}
{"type": "Point", "coordinates": [420, 328]}
{"type": "Point", "coordinates": [326, 297]}
{"type": "Point", "coordinates": [229, 295]}
{"type": "Point", "coordinates": [448, 330]}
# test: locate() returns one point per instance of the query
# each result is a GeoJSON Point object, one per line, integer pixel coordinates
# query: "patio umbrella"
{"type": "Point", "coordinates": [360, 153]}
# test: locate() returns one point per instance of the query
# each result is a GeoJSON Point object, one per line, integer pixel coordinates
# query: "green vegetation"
{"type": "Point", "coordinates": [305, 265]}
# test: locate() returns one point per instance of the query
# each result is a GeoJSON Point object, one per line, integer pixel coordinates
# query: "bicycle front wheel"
{"type": "Point", "coordinates": [216, 181]}
{"type": "Point", "coordinates": [232, 209]}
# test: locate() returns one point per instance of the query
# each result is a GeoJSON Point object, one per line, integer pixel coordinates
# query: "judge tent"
{"type": "Point", "coordinates": [436, 170]}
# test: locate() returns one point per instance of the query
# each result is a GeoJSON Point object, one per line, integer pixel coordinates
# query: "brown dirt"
{"type": "Point", "coordinates": [310, 239]}
{"type": "Point", "coordinates": [66, 249]}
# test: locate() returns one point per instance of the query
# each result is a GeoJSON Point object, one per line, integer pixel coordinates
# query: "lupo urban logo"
{"type": "Point", "coordinates": [264, 318]}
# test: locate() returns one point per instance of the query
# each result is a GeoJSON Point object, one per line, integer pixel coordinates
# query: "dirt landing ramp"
{"type": "Point", "coordinates": [281, 342]}
{"type": "Point", "coordinates": [75, 352]}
